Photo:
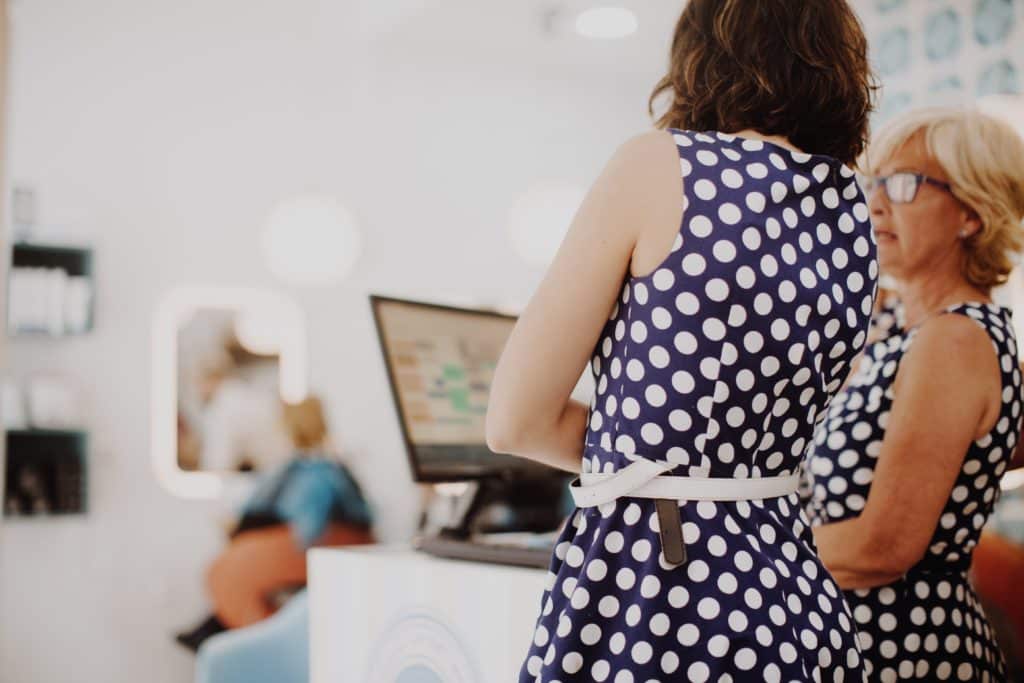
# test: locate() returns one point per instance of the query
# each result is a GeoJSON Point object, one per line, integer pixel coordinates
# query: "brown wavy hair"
{"type": "Point", "coordinates": [780, 67]}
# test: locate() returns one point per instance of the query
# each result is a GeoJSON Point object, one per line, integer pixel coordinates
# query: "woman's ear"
{"type": "Point", "coordinates": [970, 225]}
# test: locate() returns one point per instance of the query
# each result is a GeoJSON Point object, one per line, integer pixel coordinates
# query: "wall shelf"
{"type": "Point", "coordinates": [45, 472]}
{"type": "Point", "coordinates": [50, 290]}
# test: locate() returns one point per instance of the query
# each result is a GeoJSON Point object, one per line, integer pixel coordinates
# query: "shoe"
{"type": "Point", "coordinates": [194, 638]}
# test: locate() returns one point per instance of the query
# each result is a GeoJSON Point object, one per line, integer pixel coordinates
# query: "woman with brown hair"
{"type": "Point", "coordinates": [719, 278]}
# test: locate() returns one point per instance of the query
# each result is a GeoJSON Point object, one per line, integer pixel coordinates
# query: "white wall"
{"type": "Point", "coordinates": [163, 133]}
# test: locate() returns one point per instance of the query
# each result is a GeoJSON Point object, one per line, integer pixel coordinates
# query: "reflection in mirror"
{"type": "Point", "coordinates": [225, 360]}
{"type": "Point", "coordinates": [229, 405]}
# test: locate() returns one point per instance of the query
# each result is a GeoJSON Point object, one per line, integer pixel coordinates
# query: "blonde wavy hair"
{"type": "Point", "coordinates": [983, 158]}
{"type": "Point", "coordinates": [306, 423]}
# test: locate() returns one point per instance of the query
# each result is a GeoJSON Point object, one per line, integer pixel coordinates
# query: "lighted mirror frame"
{"type": "Point", "coordinates": [175, 308]}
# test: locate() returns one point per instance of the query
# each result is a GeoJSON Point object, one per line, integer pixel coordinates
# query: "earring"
{"type": "Point", "coordinates": [963, 234]}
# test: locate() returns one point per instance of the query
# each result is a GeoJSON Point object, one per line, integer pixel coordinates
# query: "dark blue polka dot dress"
{"type": "Point", "coordinates": [928, 625]}
{"type": "Point", "coordinates": [721, 362]}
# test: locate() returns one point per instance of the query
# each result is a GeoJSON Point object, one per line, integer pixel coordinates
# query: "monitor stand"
{"type": "Point", "coordinates": [510, 504]}
{"type": "Point", "coordinates": [495, 509]}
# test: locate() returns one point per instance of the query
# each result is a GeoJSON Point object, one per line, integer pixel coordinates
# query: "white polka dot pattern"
{"type": "Point", "coordinates": [720, 361]}
{"type": "Point", "coordinates": [929, 625]}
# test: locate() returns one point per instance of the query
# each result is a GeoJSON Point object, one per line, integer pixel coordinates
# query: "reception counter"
{"type": "Point", "coordinates": [384, 614]}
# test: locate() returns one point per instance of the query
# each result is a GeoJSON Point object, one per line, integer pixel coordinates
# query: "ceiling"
{"type": "Point", "coordinates": [527, 33]}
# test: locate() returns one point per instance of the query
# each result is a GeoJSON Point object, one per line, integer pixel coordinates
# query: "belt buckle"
{"type": "Point", "coordinates": [670, 530]}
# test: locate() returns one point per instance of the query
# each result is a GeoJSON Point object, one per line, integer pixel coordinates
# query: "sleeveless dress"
{"type": "Point", "coordinates": [720, 361]}
{"type": "Point", "coordinates": [929, 624]}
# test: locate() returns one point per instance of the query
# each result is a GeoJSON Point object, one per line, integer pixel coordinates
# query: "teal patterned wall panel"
{"type": "Point", "coordinates": [929, 52]}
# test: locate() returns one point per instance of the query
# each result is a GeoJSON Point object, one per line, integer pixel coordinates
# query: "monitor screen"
{"type": "Point", "coordinates": [440, 362]}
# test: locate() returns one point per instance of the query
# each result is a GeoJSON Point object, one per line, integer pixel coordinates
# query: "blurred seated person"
{"type": "Point", "coordinates": [310, 501]}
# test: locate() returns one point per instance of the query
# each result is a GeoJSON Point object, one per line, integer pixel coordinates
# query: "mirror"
{"type": "Point", "coordinates": [225, 360]}
{"type": "Point", "coordinates": [228, 396]}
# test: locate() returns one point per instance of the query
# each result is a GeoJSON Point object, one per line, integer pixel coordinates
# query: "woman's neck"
{"type": "Point", "coordinates": [774, 139]}
{"type": "Point", "coordinates": [925, 296]}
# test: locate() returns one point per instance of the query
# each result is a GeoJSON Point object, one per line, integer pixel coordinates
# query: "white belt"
{"type": "Point", "coordinates": [641, 479]}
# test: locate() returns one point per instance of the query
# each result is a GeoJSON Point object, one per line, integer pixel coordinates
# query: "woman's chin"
{"type": "Point", "coordinates": [888, 260]}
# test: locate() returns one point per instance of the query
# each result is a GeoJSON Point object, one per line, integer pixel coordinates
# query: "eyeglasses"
{"type": "Point", "coordinates": [901, 187]}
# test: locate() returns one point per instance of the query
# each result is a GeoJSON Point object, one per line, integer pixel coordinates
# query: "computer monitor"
{"type": "Point", "coordinates": [440, 361]}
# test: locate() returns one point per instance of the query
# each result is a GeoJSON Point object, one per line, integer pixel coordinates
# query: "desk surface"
{"type": "Point", "coordinates": [410, 553]}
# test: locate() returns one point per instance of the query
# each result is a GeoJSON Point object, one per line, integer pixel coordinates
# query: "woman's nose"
{"type": "Point", "coordinates": [878, 202]}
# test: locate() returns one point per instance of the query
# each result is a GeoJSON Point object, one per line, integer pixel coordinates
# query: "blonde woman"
{"type": "Point", "coordinates": [905, 468]}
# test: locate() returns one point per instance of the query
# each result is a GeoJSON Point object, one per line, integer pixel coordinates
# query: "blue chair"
{"type": "Point", "coordinates": [276, 650]}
